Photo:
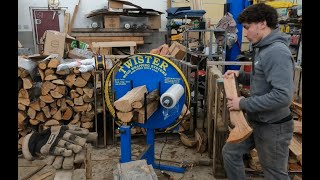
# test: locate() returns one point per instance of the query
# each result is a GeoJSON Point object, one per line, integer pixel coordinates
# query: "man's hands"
{"type": "Point", "coordinates": [229, 72]}
{"type": "Point", "coordinates": [233, 103]}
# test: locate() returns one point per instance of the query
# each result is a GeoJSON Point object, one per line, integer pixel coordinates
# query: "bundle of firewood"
{"type": "Point", "coordinates": [65, 98]}
{"type": "Point", "coordinates": [131, 106]}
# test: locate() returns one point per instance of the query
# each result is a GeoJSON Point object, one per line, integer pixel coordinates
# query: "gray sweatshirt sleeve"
{"type": "Point", "coordinates": [278, 70]}
{"type": "Point", "coordinates": [244, 78]}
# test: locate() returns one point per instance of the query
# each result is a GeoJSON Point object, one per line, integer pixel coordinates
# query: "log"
{"type": "Point", "coordinates": [23, 97]}
{"type": "Point", "coordinates": [88, 91]}
{"type": "Point", "coordinates": [89, 107]}
{"type": "Point", "coordinates": [87, 125]}
{"type": "Point", "coordinates": [87, 99]}
{"type": "Point", "coordinates": [21, 107]}
{"type": "Point", "coordinates": [27, 82]}
{"type": "Point", "coordinates": [56, 94]}
{"type": "Point", "coordinates": [70, 79]}
{"type": "Point", "coordinates": [35, 105]}
{"type": "Point", "coordinates": [67, 114]}
{"type": "Point", "coordinates": [201, 139]}
{"type": "Point", "coordinates": [79, 91]}
{"type": "Point", "coordinates": [19, 71]}
{"type": "Point", "coordinates": [32, 113]}
{"type": "Point", "coordinates": [297, 127]}
{"type": "Point", "coordinates": [40, 116]}
{"type": "Point", "coordinates": [86, 76]}
{"type": "Point", "coordinates": [151, 108]}
{"type": "Point", "coordinates": [42, 104]}
{"type": "Point", "coordinates": [296, 148]}
{"type": "Point", "coordinates": [47, 98]}
{"type": "Point", "coordinates": [69, 102]}
{"type": "Point", "coordinates": [34, 122]}
{"type": "Point", "coordinates": [61, 89]}
{"type": "Point", "coordinates": [74, 94]}
{"type": "Point", "coordinates": [76, 70]}
{"type": "Point", "coordinates": [75, 119]}
{"type": "Point", "coordinates": [24, 73]}
{"type": "Point", "coordinates": [186, 141]}
{"type": "Point", "coordinates": [63, 105]}
{"type": "Point", "coordinates": [57, 115]}
{"type": "Point", "coordinates": [52, 122]}
{"type": "Point", "coordinates": [48, 72]}
{"type": "Point", "coordinates": [153, 96]}
{"type": "Point", "coordinates": [58, 82]}
{"type": "Point", "coordinates": [241, 129]}
{"type": "Point", "coordinates": [53, 104]}
{"type": "Point", "coordinates": [123, 104]}
{"type": "Point", "coordinates": [53, 63]}
{"type": "Point", "coordinates": [51, 77]}
{"type": "Point", "coordinates": [81, 108]}
{"type": "Point", "coordinates": [53, 111]}
{"type": "Point", "coordinates": [80, 82]}
{"type": "Point", "coordinates": [41, 74]}
{"type": "Point", "coordinates": [46, 111]}
{"type": "Point", "coordinates": [78, 101]}
{"type": "Point", "coordinates": [46, 87]}
{"type": "Point", "coordinates": [125, 116]}
{"type": "Point", "coordinates": [21, 116]}
{"type": "Point", "coordinates": [42, 65]}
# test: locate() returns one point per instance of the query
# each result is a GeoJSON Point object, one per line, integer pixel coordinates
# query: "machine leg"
{"type": "Point", "coordinates": [125, 138]}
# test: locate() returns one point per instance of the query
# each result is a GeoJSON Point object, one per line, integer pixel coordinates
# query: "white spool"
{"type": "Point", "coordinates": [172, 96]}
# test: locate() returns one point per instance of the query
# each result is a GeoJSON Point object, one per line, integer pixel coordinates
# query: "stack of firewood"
{"type": "Point", "coordinates": [131, 107]}
{"type": "Point", "coordinates": [65, 98]}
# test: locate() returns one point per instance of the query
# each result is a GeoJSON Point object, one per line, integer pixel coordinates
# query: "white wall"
{"type": "Point", "coordinates": [86, 6]}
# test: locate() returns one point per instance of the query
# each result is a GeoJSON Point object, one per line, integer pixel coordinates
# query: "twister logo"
{"type": "Point", "coordinates": [146, 62]}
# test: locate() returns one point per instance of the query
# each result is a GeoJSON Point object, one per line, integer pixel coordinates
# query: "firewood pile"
{"type": "Point", "coordinates": [64, 98]}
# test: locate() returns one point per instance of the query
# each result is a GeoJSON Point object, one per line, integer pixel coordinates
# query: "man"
{"type": "Point", "coordinates": [271, 93]}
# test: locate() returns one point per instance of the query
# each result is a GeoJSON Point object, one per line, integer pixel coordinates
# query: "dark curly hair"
{"type": "Point", "coordinates": [258, 13]}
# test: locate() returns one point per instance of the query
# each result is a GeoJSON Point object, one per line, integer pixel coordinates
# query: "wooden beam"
{"type": "Point", "coordinates": [73, 17]}
{"type": "Point", "coordinates": [89, 40]}
{"type": "Point", "coordinates": [110, 34]}
{"type": "Point", "coordinates": [210, 63]}
{"type": "Point", "coordinates": [114, 44]}
{"type": "Point", "coordinates": [66, 22]}
{"type": "Point", "coordinates": [103, 30]}
{"type": "Point", "coordinates": [241, 129]}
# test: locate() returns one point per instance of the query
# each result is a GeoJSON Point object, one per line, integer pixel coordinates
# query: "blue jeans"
{"type": "Point", "coordinates": [272, 144]}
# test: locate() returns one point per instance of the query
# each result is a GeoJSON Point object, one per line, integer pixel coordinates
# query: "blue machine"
{"type": "Point", "coordinates": [156, 72]}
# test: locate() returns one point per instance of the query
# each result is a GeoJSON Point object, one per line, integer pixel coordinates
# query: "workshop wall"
{"type": "Point", "coordinates": [25, 24]}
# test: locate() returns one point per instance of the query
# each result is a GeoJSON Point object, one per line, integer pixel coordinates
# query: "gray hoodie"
{"type": "Point", "coordinates": [271, 80]}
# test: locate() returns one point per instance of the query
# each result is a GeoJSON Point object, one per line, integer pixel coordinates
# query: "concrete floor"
{"type": "Point", "coordinates": [105, 160]}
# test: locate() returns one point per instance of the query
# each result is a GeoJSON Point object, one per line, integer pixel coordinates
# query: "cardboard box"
{"type": "Point", "coordinates": [54, 43]}
{"type": "Point", "coordinates": [154, 22]}
{"type": "Point", "coordinates": [178, 50]}
{"type": "Point", "coordinates": [115, 5]}
{"type": "Point", "coordinates": [111, 21]}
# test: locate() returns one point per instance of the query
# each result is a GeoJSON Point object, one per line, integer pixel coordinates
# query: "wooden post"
{"type": "Point", "coordinates": [88, 164]}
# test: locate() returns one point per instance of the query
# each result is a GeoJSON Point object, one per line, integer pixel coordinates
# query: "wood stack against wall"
{"type": "Point", "coordinates": [64, 99]}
